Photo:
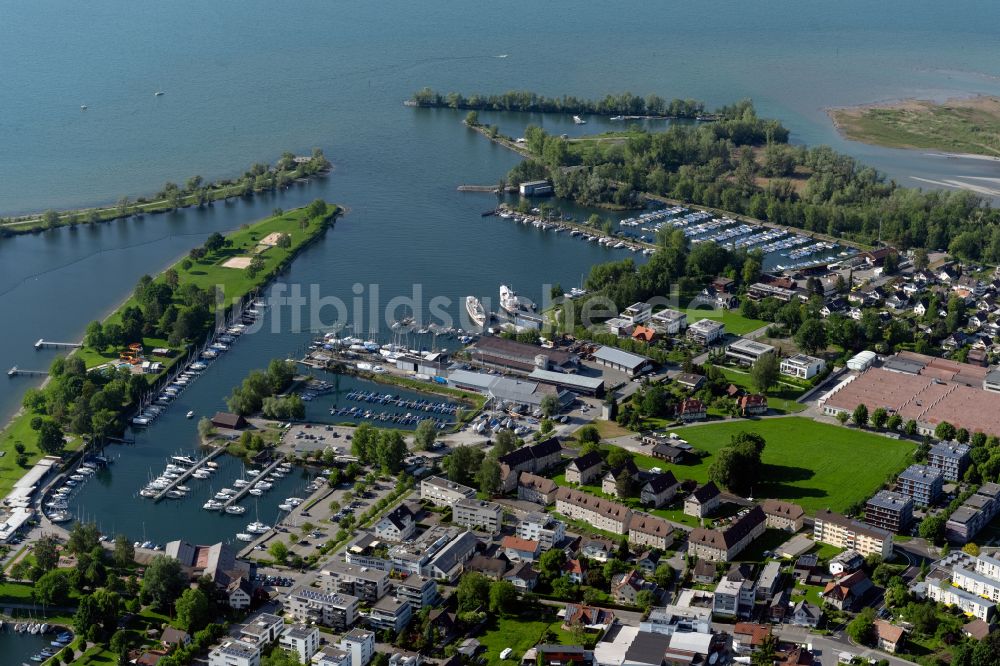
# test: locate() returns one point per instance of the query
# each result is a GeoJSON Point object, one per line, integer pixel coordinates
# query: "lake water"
{"type": "Point", "coordinates": [245, 82]}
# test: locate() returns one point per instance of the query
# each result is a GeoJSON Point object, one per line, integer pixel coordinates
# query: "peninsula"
{"type": "Point", "coordinates": [968, 126]}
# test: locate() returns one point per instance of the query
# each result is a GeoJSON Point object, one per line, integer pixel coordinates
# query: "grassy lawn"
{"type": "Point", "coordinates": [520, 634]}
{"type": "Point", "coordinates": [610, 429]}
{"type": "Point", "coordinates": [19, 430]}
{"type": "Point", "coordinates": [96, 655]}
{"type": "Point", "coordinates": [769, 540]}
{"type": "Point", "coordinates": [809, 463]}
{"type": "Point", "coordinates": [811, 593]}
{"type": "Point", "coordinates": [780, 398]}
{"type": "Point", "coordinates": [17, 593]}
{"type": "Point", "coordinates": [737, 324]}
{"type": "Point", "coordinates": [825, 551]}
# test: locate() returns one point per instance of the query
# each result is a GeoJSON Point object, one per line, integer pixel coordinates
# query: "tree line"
{"type": "Point", "coordinates": [625, 104]}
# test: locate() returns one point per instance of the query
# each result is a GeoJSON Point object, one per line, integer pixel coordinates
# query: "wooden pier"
{"type": "Point", "coordinates": [20, 372]}
{"type": "Point", "coordinates": [43, 344]}
{"type": "Point", "coordinates": [187, 474]}
{"type": "Point", "coordinates": [246, 489]}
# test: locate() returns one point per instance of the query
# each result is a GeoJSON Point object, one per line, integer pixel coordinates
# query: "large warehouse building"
{"type": "Point", "coordinates": [925, 389]}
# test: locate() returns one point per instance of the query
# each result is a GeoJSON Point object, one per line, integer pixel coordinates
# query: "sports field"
{"type": "Point", "coordinates": [812, 464]}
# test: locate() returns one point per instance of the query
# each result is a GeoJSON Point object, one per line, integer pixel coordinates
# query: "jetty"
{"type": "Point", "coordinates": [187, 473]}
{"type": "Point", "coordinates": [246, 489]}
{"type": "Point", "coordinates": [20, 372]}
{"type": "Point", "coordinates": [44, 344]}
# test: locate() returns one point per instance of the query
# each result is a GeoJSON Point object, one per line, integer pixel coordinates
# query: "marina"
{"type": "Point", "coordinates": [242, 492]}
{"type": "Point", "coordinates": [187, 474]}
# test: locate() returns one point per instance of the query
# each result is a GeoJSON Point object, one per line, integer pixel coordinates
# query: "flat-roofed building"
{"type": "Point", "coordinates": [890, 511]}
{"type": "Point", "coordinates": [759, 291]}
{"type": "Point", "coordinates": [747, 352]}
{"type": "Point", "coordinates": [390, 613]}
{"type": "Point", "coordinates": [950, 458]}
{"type": "Point", "coordinates": [234, 653]}
{"type": "Point", "coordinates": [706, 332]}
{"type": "Point", "coordinates": [263, 629]}
{"type": "Point", "coordinates": [301, 640]}
{"type": "Point", "coordinates": [364, 583]}
{"type": "Point", "coordinates": [637, 313]}
{"type": "Point", "coordinates": [338, 611]}
{"type": "Point", "coordinates": [975, 513]}
{"type": "Point", "coordinates": [921, 482]}
{"type": "Point", "coordinates": [420, 591]}
{"type": "Point", "coordinates": [802, 366]}
{"type": "Point", "coordinates": [571, 381]}
{"type": "Point", "coordinates": [360, 644]}
{"type": "Point", "coordinates": [478, 515]}
{"type": "Point", "coordinates": [501, 353]}
{"type": "Point", "coordinates": [843, 532]}
{"type": "Point", "coordinates": [543, 528]}
{"type": "Point", "coordinates": [672, 322]}
{"type": "Point", "coordinates": [442, 492]}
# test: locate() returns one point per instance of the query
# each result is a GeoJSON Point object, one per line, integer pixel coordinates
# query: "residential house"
{"type": "Point", "coordinates": [584, 469]}
{"type": "Point", "coordinates": [783, 515]}
{"type": "Point", "coordinates": [492, 567]}
{"type": "Point", "coordinates": [534, 459]}
{"type": "Point", "coordinates": [669, 322]}
{"type": "Point", "coordinates": [420, 591]}
{"type": "Point", "coordinates": [601, 513]}
{"type": "Point", "coordinates": [365, 583]}
{"type": "Point", "coordinates": [239, 593]}
{"type": "Point", "coordinates": [703, 572]}
{"type": "Point", "coordinates": [846, 562]}
{"type": "Point", "coordinates": [692, 409]}
{"type": "Point", "coordinates": [330, 655]}
{"type": "Point", "coordinates": [806, 565]}
{"type": "Point", "coordinates": [520, 550]}
{"type": "Point", "coordinates": [706, 332]}
{"type": "Point", "coordinates": [523, 577]}
{"type": "Point", "coordinates": [537, 489]}
{"type": "Point", "coordinates": [889, 511]}
{"type": "Point", "coordinates": [234, 653]}
{"type": "Point", "coordinates": [703, 501]}
{"type": "Point", "coordinates": [722, 545]}
{"type": "Point", "coordinates": [597, 548]}
{"type": "Point", "coordinates": [749, 636]}
{"type": "Point", "coordinates": [802, 366]}
{"type": "Point", "coordinates": [652, 531]}
{"type": "Point", "coordinates": [890, 637]}
{"type": "Point", "coordinates": [659, 490]}
{"type": "Point", "coordinates": [769, 581]}
{"type": "Point", "coordinates": [690, 381]}
{"type": "Point", "coordinates": [921, 482]}
{"type": "Point", "coordinates": [805, 614]}
{"type": "Point", "coordinates": [752, 404]}
{"type": "Point", "coordinates": [649, 560]}
{"type": "Point", "coordinates": [626, 587]}
{"type": "Point", "coordinates": [847, 592]}
{"type": "Point", "coordinates": [264, 629]}
{"type": "Point", "coordinates": [626, 473]}
{"type": "Point", "coordinates": [950, 458]}
{"type": "Point", "coordinates": [397, 525]}
{"type": "Point", "coordinates": [734, 594]}
{"type": "Point", "coordinates": [588, 617]}
{"type": "Point", "coordinates": [174, 638]}
{"type": "Point", "coordinates": [576, 570]}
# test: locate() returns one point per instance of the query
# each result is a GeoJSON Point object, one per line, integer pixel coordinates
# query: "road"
{"type": "Point", "coordinates": [827, 648]}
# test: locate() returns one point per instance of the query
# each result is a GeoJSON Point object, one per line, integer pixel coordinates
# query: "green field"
{"type": "Point", "coordinates": [780, 398]}
{"type": "Point", "coordinates": [737, 324]}
{"type": "Point", "coordinates": [812, 464]}
{"type": "Point", "coordinates": [956, 126]}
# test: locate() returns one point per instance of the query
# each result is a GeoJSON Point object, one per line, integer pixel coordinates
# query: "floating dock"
{"type": "Point", "coordinates": [43, 344]}
{"type": "Point", "coordinates": [246, 489]}
{"type": "Point", "coordinates": [187, 474]}
{"type": "Point", "coordinates": [20, 372]}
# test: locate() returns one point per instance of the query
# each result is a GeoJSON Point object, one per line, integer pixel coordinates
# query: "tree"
{"type": "Point", "coordinates": [124, 553]}
{"type": "Point", "coordinates": [364, 443]}
{"type": "Point", "coordinates": [278, 551]}
{"type": "Point", "coordinates": [504, 442]}
{"type": "Point", "coordinates": [624, 485]}
{"type": "Point", "coordinates": [764, 372]}
{"type": "Point", "coordinates": [424, 435]}
{"type": "Point", "coordinates": [391, 451]}
{"type": "Point", "coordinates": [473, 592]}
{"type": "Point", "coordinates": [503, 598]}
{"type": "Point", "coordinates": [971, 549]}
{"type": "Point", "coordinates": [879, 417]}
{"type": "Point", "coordinates": [738, 465]}
{"type": "Point", "coordinates": [551, 563]}
{"type": "Point", "coordinates": [205, 427]}
{"type": "Point", "coordinates": [46, 553]}
{"type": "Point", "coordinates": [645, 599]}
{"type": "Point", "coordinates": [488, 476]}
{"type": "Point", "coordinates": [83, 538]}
{"type": "Point", "coordinates": [588, 434]}
{"type": "Point", "coordinates": [811, 336]}
{"type": "Point", "coordinates": [193, 610]}
{"type": "Point", "coordinates": [52, 589]}
{"type": "Point", "coordinates": [549, 405]}
{"type": "Point", "coordinates": [862, 628]}
{"type": "Point", "coordinates": [164, 581]}
{"type": "Point", "coordinates": [50, 438]}
{"type": "Point", "coordinates": [766, 652]}
{"type": "Point", "coordinates": [462, 464]}
{"type": "Point", "coordinates": [945, 431]}
{"type": "Point", "coordinates": [842, 417]}
{"type": "Point", "coordinates": [932, 528]}
{"type": "Point", "coordinates": [664, 575]}
{"type": "Point", "coordinates": [618, 457]}
{"type": "Point", "coordinates": [860, 415]}
{"type": "Point", "coordinates": [472, 119]}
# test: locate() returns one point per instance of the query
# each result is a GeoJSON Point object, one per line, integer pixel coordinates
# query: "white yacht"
{"type": "Point", "coordinates": [477, 313]}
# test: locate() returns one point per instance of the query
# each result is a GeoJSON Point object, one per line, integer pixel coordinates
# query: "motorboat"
{"type": "Point", "coordinates": [579, 121]}
{"type": "Point", "coordinates": [236, 509]}
{"type": "Point", "coordinates": [184, 460]}
{"type": "Point", "coordinates": [243, 536]}
{"type": "Point", "coordinates": [175, 494]}
{"type": "Point", "coordinates": [212, 505]}
{"type": "Point", "coordinates": [256, 492]}
{"type": "Point", "coordinates": [190, 414]}
{"type": "Point", "coordinates": [258, 528]}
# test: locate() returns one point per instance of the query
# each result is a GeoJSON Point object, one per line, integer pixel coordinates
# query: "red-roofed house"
{"type": "Point", "coordinates": [752, 404]}
{"type": "Point", "coordinates": [520, 550]}
{"type": "Point", "coordinates": [692, 409]}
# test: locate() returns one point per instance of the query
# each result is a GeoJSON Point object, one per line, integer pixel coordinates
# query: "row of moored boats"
{"type": "Point", "coordinates": [57, 505]}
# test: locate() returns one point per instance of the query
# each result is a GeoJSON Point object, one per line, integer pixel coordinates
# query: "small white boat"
{"type": "Point", "coordinates": [159, 93]}
{"type": "Point", "coordinates": [83, 107]}
{"type": "Point", "coordinates": [243, 536]}
{"type": "Point", "coordinates": [579, 121]}
{"type": "Point", "coordinates": [256, 492]}
{"type": "Point", "coordinates": [236, 510]}
{"type": "Point", "coordinates": [190, 414]}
